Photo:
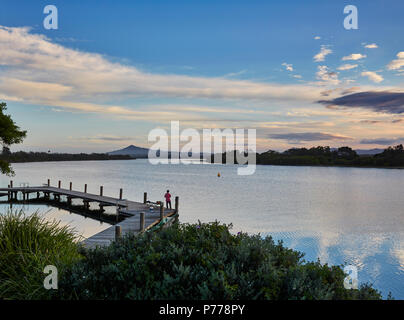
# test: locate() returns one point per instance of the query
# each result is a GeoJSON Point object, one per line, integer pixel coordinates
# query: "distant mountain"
{"type": "Point", "coordinates": [133, 151]}
{"type": "Point", "coordinates": [141, 153]}
{"type": "Point", "coordinates": [363, 152]}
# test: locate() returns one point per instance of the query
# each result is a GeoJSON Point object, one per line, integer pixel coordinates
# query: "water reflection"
{"type": "Point", "coordinates": [84, 226]}
{"type": "Point", "coordinates": [340, 215]}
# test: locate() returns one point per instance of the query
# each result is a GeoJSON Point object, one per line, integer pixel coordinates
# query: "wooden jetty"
{"type": "Point", "coordinates": [130, 216]}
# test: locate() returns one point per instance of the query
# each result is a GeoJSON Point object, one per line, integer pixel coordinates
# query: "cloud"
{"type": "Point", "coordinates": [350, 90]}
{"type": "Point", "coordinates": [327, 77]}
{"type": "Point", "coordinates": [371, 46]}
{"type": "Point", "coordinates": [322, 54]}
{"type": "Point", "coordinates": [288, 66]}
{"type": "Point", "coordinates": [233, 74]}
{"type": "Point", "coordinates": [347, 67]}
{"type": "Point", "coordinates": [354, 56]}
{"type": "Point", "coordinates": [297, 76]}
{"type": "Point", "coordinates": [317, 38]}
{"type": "Point", "coordinates": [38, 71]}
{"type": "Point", "coordinates": [378, 101]}
{"type": "Point", "coordinates": [105, 138]}
{"type": "Point", "coordinates": [373, 76]}
{"type": "Point", "coordinates": [382, 141]}
{"type": "Point", "coordinates": [398, 63]}
{"type": "Point", "coordinates": [307, 136]}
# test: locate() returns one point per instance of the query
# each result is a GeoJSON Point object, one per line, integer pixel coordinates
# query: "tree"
{"type": "Point", "coordinates": [10, 134]}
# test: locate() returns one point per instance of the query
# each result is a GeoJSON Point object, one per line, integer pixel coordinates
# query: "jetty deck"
{"type": "Point", "coordinates": [131, 216]}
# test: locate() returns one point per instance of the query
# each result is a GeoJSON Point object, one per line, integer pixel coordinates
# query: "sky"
{"type": "Point", "coordinates": [115, 70]}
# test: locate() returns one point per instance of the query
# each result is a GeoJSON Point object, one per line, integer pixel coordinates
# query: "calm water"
{"type": "Point", "coordinates": [340, 215]}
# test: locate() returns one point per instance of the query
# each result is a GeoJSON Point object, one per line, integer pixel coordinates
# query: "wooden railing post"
{"type": "Point", "coordinates": [85, 188]}
{"type": "Point", "coordinates": [48, 182]}
{"type": "Point", "coordinates": [145, 197]}
{"type": "Point", "coordinates": [118, 232]}
{"type": "Point", "coordinates": [59, 184]}
{"type": "Point", "coordinates": [177, 200]}
{"type": "Point", "coordinates": [162, 210]}
{"type": "Point", "coordinates": [142, 221]}
{"type": "Point", "coordinates": [71, 186]}
{"type": "Point", "coordinates": [120, 194]}
{"type": "Point", "coordinates": [11, 183]}
{"type": "Point", "coordinates": [101, 190]}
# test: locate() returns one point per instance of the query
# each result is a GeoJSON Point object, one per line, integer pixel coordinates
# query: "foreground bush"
{"type": "Point", "coordinates": [203, 261]}
{"type": "Point", "coordinates": [27, 245]}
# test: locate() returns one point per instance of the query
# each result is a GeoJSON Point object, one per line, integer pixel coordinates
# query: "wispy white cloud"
{"type": "Point", "coordinates": [326, 76]}
{"type": "Point", "coordinates": [371, 46]}
{"type": "Point", "coordinates": [317, 38]}
{"type": "Point", "coordinates": [397, 63]}
{"type": "Point", "coordinates": [347, 67]}
{"type": "Point", "coordinates": [354, 56]}
{"type": "Point", "coordinates": [38, 71]}
{"type": "Point", "coordinates": [373, 76]}
{"type": "Point", "coordinates": [322, 54]}
{"type": "Point", "coordinates": [288, 66]}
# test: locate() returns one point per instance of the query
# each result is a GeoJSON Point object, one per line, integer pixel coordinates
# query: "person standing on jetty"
{"type": "Point", "coordinates": [168, 198]}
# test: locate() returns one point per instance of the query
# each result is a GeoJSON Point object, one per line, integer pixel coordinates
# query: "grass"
{"type": "Point", "coordinates": [27, 244]}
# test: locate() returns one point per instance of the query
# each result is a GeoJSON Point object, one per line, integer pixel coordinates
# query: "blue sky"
{"type": "Point", "coordinates": [136, 65]}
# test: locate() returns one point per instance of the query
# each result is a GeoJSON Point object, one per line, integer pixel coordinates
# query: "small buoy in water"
{"type": "Point", "coordinates": [218, 174]}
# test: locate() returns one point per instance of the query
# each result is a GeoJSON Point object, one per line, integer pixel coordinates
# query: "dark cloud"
{"type": "Point", "coordinates": [379, 101]}
{"type": "Point", "coordinates": [112, 138]}
{"type": "Point", "coordinates": [105, 138]}
{"type": "Point", "coordinates": [307, 136]}
{"type": "Point", "coordinates": [371, 121]}
{"type": "Point", "coordinates": [382, 141]}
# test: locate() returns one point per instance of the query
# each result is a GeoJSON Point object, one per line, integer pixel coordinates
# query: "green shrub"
{"type": "Point", "coordinates": [203, 261]}
{"type": "Point", "coordinates": [27, 244]}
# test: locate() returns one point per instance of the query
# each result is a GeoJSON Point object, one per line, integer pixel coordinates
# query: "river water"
{"type": "Point", "coordinates": [349, 216]}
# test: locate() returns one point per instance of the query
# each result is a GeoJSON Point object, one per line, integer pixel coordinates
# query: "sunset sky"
{"type": "Point", "coordinates": [114, 70]}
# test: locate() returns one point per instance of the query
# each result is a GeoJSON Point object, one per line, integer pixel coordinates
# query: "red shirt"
{"type": "Point", "coordinates": [167, 196]}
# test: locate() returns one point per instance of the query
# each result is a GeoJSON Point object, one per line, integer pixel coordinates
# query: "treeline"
{"type": "Point", "coordinates": [22, 156]}
{"type": "Point", "coordinates": [325, 156]}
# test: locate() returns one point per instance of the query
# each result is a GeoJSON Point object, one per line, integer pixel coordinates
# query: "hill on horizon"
{"type": "Point", "coordinates": [133, 151]}
{"type": "Point", "coordinates": [139, 152]}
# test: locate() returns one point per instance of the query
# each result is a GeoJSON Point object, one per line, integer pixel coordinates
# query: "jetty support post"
{"type": "Point", "coordinates": [120, 194]}
{"type": "Point", "coordinates": [177, 200]}
{"type": "Point", "coordinates": [86, 204]}
{"type": "Point", "coordinates": [145, 197]}
{"type": "Point", "coordinates": [117, 213]}
{"type": "Point", "coordinates": [85, 188]}
{"type": "Point", "coordinates": [11, 186]}
{"type": "Point", "coordinates": [71, 186]}
{"type": "Point", "coordinates": [59, 184]}
{"type": "Point", "coordinates": [8, 193]}
{"type": "Point", "coordinates": [48, 182]}
{"type": "Point", "coordinates": [141, 221]}
{"type": "Point", "coordinates": [118, 232]}
{"type": "Point", "coordinates": [101, 190]}
{"type": "Point", "coordinates": [162, 210]}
